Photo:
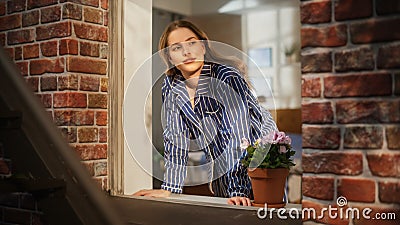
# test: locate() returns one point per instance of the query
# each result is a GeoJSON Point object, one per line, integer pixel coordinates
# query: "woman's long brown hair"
{"type": "Point", "coordinates": [210, 56]}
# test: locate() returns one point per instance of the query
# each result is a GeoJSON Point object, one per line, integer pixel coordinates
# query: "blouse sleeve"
{"type": "Point", "coordinates": [175, 142]}
{"type": "Point", "coordinates": [235, 126]}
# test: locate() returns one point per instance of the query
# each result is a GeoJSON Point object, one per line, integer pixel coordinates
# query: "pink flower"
{"type": "Point", "coordinates": [275, 137]}
{"type": "Point", "coordinates": [288, 140]}
{"type": "Point", "coordinates": [280, 137]}
{"type": "Point", "coordinates": [273, 150]}
{"type": "Point", "coordinates": [282, 149]}
{"type": "Point", "coordinates": [244, 144]}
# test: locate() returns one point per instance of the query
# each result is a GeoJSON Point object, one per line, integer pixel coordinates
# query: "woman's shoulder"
{"type": "Point", "coordinates": [167, 83]}
{"type": "Point", "coordinates": [225, 72]}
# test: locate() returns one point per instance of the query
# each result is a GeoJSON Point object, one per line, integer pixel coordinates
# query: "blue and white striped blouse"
{"type": "Point", "coordinates": [225, 111]}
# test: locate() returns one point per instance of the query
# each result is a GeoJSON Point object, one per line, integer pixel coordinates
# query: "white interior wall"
{"type": "Point", "coordinates": [183, 7]}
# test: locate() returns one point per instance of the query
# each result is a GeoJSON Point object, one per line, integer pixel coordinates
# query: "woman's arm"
{"type": "Point", "coordinates": [176, 142]}
{"type": "Point", "coordinates": [158, 193]}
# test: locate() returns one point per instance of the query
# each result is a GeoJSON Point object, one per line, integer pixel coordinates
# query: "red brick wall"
{"type": "Point", "coordinates": [61, 49]}
{"type": "Point", "coordinates": [351, 104]}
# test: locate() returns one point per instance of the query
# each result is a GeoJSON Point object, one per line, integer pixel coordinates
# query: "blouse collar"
{"type": "Point", "coordinates": [178, 83]}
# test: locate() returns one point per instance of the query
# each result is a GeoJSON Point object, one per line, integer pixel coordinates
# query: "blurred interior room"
{"type": "Point", "coordinates": [268, 32]}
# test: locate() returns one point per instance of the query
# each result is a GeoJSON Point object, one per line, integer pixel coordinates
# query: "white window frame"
{"type": "Point", "coordinates": [130, 46]}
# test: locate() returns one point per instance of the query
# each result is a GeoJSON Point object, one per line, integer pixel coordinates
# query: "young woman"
{"type": "Point", "coordinates": [207, 106]}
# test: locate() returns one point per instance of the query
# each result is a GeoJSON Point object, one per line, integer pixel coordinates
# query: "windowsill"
{"type": "Point", "coordinates": [213, 202]}
{"type": "Point", "coordinates": [192, 209]}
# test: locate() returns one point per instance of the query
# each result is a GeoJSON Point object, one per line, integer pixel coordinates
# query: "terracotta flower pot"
{"type": "Point", "coordinates": [268, 186]}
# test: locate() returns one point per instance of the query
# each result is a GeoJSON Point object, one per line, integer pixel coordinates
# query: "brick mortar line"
{"type": "Point", "coordinates": [54, 39]}
{"type": "Point", "coordinates": [95, 161]}
{"type": "Point", "coordinates": [309, 151]}
{"type": "Point", "coordinates": [334, 22]}
{"type": "Point", "coordinates": [362, 176]}
{"type": "Point", "coordinates": [335, 186]}
{"type": "Point", "coordinates": [349, 46]}
{"type": "Point", "coordinates": [81, 109]}
{"type": "Point", "coordinates": [377, 200]}
{"type": "Point", "coordinates": [86, 57]}
{"type": "Point", "coordinates": [361, 72]}
{"type": "Point", "coordinates": [61, 4]}
{"type": "Point", "coordinates": [64, 56]}
{"type": "Point", "coordinates": [322, 82]}
{"type": "Point", "coordinates": [34, 28]}
{"type": "Point", "coordinates": [394, 83]}
{"type": "Point", "coordinates": [100, 177]}
{"type": "Point", "coordinates": [376, 179]}
{"type": "Point", "coordinates": [345, 125]}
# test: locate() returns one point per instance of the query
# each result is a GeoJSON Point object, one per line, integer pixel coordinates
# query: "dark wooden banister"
{"type": "Point", "coordinates": [46, 165]}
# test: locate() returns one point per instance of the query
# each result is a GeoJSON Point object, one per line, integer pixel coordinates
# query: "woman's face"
{"type": "Point", "coordinates": [186, 51]}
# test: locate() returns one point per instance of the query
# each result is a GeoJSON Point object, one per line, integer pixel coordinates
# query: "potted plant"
{"type": "Point", "coordinates": [268, 162]}
{"type": "Point", "coordinates": [291, 53]}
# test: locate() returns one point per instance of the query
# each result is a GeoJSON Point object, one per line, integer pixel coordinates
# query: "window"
{"type": "Point", "coordinates": [132, 43]}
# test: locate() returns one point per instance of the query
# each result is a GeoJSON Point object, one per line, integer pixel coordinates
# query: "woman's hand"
{"type": "Point", "coordinates": [239, 201]}
{"type": "Point", "coordinates": [158, 193]}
